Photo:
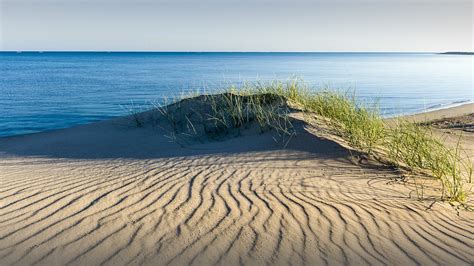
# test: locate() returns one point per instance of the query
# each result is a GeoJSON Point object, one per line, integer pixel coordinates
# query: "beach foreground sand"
{"type": "Point", "coordinates": [111, 193]}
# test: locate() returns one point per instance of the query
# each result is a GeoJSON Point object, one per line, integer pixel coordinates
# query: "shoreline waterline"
{"type": "Point", "coordinates": [434, 109]}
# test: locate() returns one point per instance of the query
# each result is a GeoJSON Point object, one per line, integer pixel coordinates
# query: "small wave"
{"type": "Point", "coordinates": [390, 113]}
{"type": "Point", "coordinates": [446, 105]}
{"type": "Point", "coordinates": [450, 104]}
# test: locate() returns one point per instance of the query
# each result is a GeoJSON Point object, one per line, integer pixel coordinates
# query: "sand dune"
{"type": "Point", "coordinates": [108, 193]}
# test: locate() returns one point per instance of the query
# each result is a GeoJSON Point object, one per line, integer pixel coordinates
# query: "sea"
{"type": "Point", "coordinates": [49, 90]}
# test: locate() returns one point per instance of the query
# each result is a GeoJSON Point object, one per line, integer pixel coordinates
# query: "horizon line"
{"type": "Point", "coordinates": [217, 51]}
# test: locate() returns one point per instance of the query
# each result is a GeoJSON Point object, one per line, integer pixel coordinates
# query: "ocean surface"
{"type": "Point", "coordinates": [43, 91]}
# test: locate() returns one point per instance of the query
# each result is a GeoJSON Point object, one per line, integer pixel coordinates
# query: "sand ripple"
{"type": "Point", "coordinates": [252, 208]}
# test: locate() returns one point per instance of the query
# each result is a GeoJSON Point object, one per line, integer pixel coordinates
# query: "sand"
{"type": "Point", "coordinates": [458, 111]}
{"type": "Point", "coordinates": [114, 194]}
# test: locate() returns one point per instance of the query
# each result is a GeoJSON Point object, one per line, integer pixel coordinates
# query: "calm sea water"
{"type": "Point", "coordinates": [41, 91]}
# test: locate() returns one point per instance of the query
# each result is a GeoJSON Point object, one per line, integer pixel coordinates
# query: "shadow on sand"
{"type": "Point", "coordinates": [118, 138]}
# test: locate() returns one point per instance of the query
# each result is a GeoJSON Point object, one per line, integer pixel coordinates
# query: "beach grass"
{"type": "Point", "coordinates": [227, 113]}
{"type": "Point", "coordinates": [416, 148]}
{"type": "Point", "coordinates": [409, 146]}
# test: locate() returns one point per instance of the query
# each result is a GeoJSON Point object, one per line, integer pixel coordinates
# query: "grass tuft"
{"type": "Point", "coordinates": [416, 148]}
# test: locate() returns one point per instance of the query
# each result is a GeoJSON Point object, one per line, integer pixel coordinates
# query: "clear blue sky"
{"type": "Point", "coordinates": [237, 25]}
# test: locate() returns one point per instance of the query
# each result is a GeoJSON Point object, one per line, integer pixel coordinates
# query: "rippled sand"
{"type": "Point", "coordinates": [112, 194]}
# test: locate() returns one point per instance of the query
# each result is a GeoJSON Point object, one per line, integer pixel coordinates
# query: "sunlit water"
{"type": "Point", "coordinates": [41, 91]}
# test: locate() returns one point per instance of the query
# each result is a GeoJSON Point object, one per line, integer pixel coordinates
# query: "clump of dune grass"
{"type": "Point", "coordinates": [227, 113]}
{"type": "Point", "coordinates": [360, 125]}
{"type": "Point", "coordinates": [417, 149]}
{"type": "Point", "coordinates": [235, 109]}
{"type": "Point", "coordinates": [406, 145]}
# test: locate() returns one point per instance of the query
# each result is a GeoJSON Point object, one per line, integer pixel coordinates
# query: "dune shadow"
{"type": "Point", "coordinates": [119, 139]}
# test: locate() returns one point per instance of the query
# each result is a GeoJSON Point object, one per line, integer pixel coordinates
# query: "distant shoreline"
{"type": "Point", "coordinates": [458, 53]}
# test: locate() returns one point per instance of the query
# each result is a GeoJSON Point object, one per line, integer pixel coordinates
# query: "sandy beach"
{"type": "Point", "coordinates": [111, 193]}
